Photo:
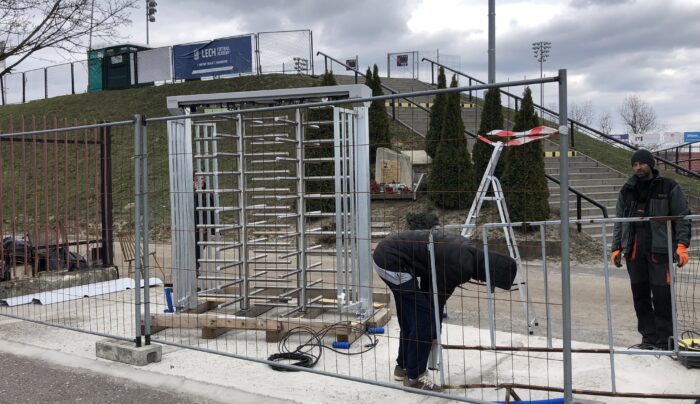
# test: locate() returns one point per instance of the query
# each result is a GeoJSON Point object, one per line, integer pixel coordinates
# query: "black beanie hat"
{"type": "Point", "coordinates": [643, 156]}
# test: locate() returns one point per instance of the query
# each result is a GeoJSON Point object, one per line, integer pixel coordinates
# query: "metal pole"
{"type": "Point", "coordinates": [46, 83]}
{"type": "Point", "coordinates": [546, 286]}
{"type": "Point", "coordinates": [137, 228]}
{"type": "Point", "coordinates": [106, 197]}
{"type": "Point", "coordinates": [311, 55]}
{"type": "Point", "coordinates": [541, 86]}
{"type": "Point", "coordinates": [611, 345]}
{"type": "Point", "coordinates": [492, 41]}
{"type": "Point", "coordinates": [388, 65]}
{"type": "Point", "coordinates": [672, 285]}
{"type": "Point", "coordinates": [436, 308]}
{"type": "Point", "coordinates": [72, 78]}
{"type": "Point", "coordinates": [146, 22]}
{"type": "Point", "coordinates": [2, 89]}
{"type": "Point", "coordinates": [146, 271]}
{"type": "Point", "coordinates": [564, 235]}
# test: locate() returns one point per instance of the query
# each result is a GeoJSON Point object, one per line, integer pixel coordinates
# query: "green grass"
{"type": "Point", "coordinates": [619, 159]}
{"type": "Point", "coordinates": [64, 197]}
{"type": "Point", "coordinates": [122, 105]}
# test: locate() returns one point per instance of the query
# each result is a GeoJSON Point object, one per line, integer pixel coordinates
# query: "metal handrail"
{"type": "Point", "coordinates": [384, 86]}
{"type": "Point", "coordinates": [393, 104]}
{"type": "Point", "coordinates": [580, 196]}
{"type": "Point", "coordinates": [572, 122]}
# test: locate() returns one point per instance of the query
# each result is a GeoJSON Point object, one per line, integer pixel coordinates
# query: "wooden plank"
{"type": "Point", "coordinates": [380, 318]}
{"type": "Point", "coordinates": [211, 333]}
{"type": "Point", "coordinates": [187, 320]}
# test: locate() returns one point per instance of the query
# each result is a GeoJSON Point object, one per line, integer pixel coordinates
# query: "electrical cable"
{"type": "Point", "coordinates": [308, 353]}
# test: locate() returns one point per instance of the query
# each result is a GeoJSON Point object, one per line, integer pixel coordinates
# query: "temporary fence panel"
{"type": "Point", "coordinates": [57, 224]}
{"type": "Point", "coordinates": [80, 76]}
{"type": "Point", "coordinates": [154, 65]}
{"type": "Point", "coordinates": [59, 80]}
{"type": "Point", "coordinates": [285, 52]}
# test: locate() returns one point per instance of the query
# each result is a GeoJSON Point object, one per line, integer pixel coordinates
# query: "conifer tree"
{"type": "Point", "coordinates": [523, 180]}
{"type": "Point", "coordinates": [314, 169]}
{"type": "Point", "coordinates": [452, 174]}
{"type": "Point", "coordinates": [378, 119]}
{"type": "Point", "coordinates": [432, 139]}
{"type": "Point", "coordinates": [491, 118]}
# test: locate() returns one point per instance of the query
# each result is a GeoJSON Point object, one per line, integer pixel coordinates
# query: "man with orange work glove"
{"type": "Point", "coordinates": [645, 246]}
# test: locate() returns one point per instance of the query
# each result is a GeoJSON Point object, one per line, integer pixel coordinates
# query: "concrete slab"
{"type": "Point", "coordinates": [127, 352]}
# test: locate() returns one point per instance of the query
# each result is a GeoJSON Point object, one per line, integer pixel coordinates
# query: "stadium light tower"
{"type": "Point", "coordinates": [541, 53]}
{"type": "Point", "coordinates": [150, 14]}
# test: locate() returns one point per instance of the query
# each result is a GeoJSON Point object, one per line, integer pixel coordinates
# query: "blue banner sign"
{"type": "Point", "coordinates": [691, 137]}
{"type": "Point", "coordinates": [622, 136]}
{"type": "Point", "coordinates": [216, 58]}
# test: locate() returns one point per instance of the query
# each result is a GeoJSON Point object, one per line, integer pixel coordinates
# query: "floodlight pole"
{"type": "Point", "coordinates": [492, 41]}
{"type": "Point", "coordinates": [541, 53]}
{"type": "Point", "coordinates": [147, 22]}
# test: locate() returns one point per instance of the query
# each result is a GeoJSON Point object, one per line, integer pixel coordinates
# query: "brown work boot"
{"type": "Point", "coordinates": [423, 382]}
{"type": "Point", "coordinates": [399, 373]}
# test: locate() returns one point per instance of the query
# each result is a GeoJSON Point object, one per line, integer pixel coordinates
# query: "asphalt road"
{"type": "Point", "coordinates": [29, 380]}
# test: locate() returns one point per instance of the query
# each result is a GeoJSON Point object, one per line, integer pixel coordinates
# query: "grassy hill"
{"type": "Point", "coordinates": [65, 164]}
{"type": "Point", "coordinates": [121, 105]}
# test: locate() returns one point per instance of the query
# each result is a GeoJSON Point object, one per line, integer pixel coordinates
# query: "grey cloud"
{"type": "Point", "coordinates": [578, 4]}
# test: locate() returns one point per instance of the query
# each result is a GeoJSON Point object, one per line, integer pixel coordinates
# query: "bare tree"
{"type": "Point", "coordinates": [28, 26]}
{"type": "Point", "coordinates": [638, 115]}
{"type": "Point", "coordinates": [582, 112]}
{"type": "Point", "coordinates": [606, 122]}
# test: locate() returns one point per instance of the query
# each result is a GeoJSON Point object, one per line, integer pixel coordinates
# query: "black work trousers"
{"type": "Point", "coordinates": [651, 292]}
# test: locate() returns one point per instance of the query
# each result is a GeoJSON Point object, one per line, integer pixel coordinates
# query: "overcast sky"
{"type": "Point", "coordinates": [611, 48]}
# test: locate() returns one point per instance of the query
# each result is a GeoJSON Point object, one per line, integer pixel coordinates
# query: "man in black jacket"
{"type": "Point", "coordinates": [645, 245]}
{"type": "Point", "coordinates": [403, 262]}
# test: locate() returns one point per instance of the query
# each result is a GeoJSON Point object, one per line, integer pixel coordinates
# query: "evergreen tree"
{"type": "Point", "coordinates": [452, 174]}
{"type": "Point", "coordinates": [437, 110]}
{"type": "Point", "coordinates": [523, 180]}
{"type": "Point", "coordinates": [378, 118]}
{"type": "Point", "coordinates": [491, 118]}
{"type": "Point", "coordinates": [311, 151]}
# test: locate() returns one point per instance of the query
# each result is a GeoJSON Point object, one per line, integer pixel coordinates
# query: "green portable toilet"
{"type": "Point", "coordinates": [95, 70]}
{"type": "Point", "coordinates": [118, 66]}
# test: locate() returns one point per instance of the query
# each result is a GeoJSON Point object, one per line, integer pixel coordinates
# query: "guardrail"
{"type": "Point", "coordinates": [572, 123]}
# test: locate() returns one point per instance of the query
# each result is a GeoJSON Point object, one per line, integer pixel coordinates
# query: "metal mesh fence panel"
{"type": "Point", "coordinates": [58, 80]}
{"type": "Point", "coordinates": [277, 52]}
{"type": "Point", "coordinates": [13, 88]}
{"type": "Point", "coordinates": [80, 76]}
{"type": "Point", "coordinates": [59, 264]}
{"type": "Point", "coordinates": [34, 85]}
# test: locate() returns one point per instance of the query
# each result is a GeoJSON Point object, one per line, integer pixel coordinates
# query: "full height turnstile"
{"type": "Point", "coordinates": [247, 220]}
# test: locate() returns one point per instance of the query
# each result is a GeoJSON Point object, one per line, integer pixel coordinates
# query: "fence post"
{"type": "Point", "coordinates": [572, 135]}
{"type": "Point", "coordinates": [144, 205]}
{"type": "Point", "coordinates": [72, 78]}
{"type": "Point", "coordinates": [106, 197]}
{"type": "Point", "coordinates": [311, 54]}
{"type": "Point", "coordinates": [138, 126]}
{"type": "Point", "coordinates": [388, 66]}
{"type": "Point", "coordinates": [564, 237]}
{"type": "Point", "coordinates": [578, 212]}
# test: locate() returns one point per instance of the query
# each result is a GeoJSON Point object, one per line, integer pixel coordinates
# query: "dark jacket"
{"type": "Point", "coordinates": [457, 260]}
{"type": "Point", "coordinates": [666, 198]}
